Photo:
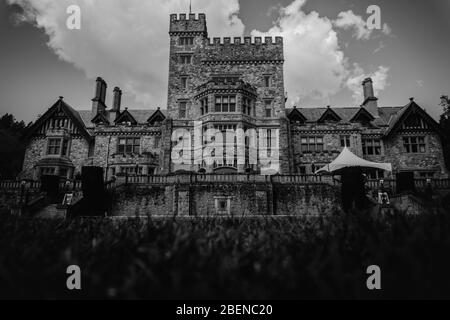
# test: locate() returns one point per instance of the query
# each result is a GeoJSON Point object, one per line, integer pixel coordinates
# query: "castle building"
{"type": "Point", "coordinates": [228, 84]}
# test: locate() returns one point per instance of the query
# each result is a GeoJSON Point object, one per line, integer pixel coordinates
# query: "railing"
{"type": "Point", "coordinates": [388, 184]}
{"type": "Point", "coordinates": [36, 185]}
{"type": "Point", "coordinates": [224, 178]}
{"type": "Point", "coordinates": [420, 184]}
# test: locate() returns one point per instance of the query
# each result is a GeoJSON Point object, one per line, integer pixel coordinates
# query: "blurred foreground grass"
{"type": "Point", "coordinates": [279, 258]}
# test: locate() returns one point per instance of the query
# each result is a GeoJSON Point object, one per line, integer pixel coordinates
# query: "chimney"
{"type": "Point", "coordinates": [117, 100]}
{"type": "Point", "coordinates": [98, 88]}
{"type": "Point", "coordinates": [103, 95]}
{"type": "Point", "coordinates": [98, 103]}
{"type": "Point", "coordinates": [370, 101]}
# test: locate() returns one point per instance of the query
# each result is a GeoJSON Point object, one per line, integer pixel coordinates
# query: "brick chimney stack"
{"type": "Point", "coordinates": [370, 101]}
{"type": "Point", "coordinates": [117, 101]}
{"type": "Point", "coordinates": [98, 103]}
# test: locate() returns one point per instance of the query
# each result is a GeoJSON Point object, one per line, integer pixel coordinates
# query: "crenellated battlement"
{"type": "Point", "coordinates": [186, 23]}
{"type": "Point", "coordinates": [245, 41]}
{"type": "Point", "coordinates": [191, 16]}
{"type": "Point", "coordinates": [245, 49]}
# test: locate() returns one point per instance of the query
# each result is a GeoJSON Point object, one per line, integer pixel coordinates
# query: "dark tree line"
{"type": "Point", "coordinates": [12, 147]}
{"type": "Point", "coordinates": [445, 125]}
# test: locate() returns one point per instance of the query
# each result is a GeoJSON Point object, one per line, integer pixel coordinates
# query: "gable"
{"type": "Point", "coordinates": [329, 116]}
{"type": "Point", "coordinates": [413, 118]}
{"type": "Point", "coordinates": [125, 118]}
{"type": "Point", "coordinates": [60, 115]}
{"type": "Point", "coordinates": [296, 116]}
{"type": "Point", "coordinates": [362, 116]}
{"type": "Point", "coordinates": [156, 117]}
{"type": "Point", "coordinates": [100, 119]}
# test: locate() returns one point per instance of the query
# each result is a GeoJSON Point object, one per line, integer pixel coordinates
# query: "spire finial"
{"type": "Point", "coordinates": [190, 6]}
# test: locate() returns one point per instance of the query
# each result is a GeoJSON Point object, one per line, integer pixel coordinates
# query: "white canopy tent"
{"type": "Point", "coordinates": [349, 160]}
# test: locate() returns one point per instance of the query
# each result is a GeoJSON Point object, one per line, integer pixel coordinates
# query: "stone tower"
{"type": "Point", "coordinates": [225, 84]}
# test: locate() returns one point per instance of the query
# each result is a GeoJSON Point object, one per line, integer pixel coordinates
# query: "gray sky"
{"type": "Point", "coordinates": [327, 49]}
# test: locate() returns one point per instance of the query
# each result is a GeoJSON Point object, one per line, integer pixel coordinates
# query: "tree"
{"type": "Point", "coordinates": [12, 147]}
{"type": "Point", "coordinates": [445, 125]}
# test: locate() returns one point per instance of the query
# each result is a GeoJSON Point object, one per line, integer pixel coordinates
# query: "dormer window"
{"type": "Point", "coordinates": [363, 117]}
{"type": "Point", "coordinates": [329, 116]}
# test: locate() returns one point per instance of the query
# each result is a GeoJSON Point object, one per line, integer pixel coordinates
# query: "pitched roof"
{"type": "Point", "coordinates": [412, 107]}
{"type": "Point", "coordinates": [68, 110]}
{"type": "Point", "coordinates": [329, 113]}
{"type": "Point", "coordinates": [346, 113]}
{"type": "Point", "coordinates": [141, 116]}
{"type": "Point", "coordinates": [361, 114]}
{"type": "Point", "coordinates": [127, 116]}
{"type": "Point", "coordinates": [156, 115]}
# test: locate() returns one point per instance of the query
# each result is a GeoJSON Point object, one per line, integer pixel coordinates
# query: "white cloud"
{"type": "Point", "coordinates": [354, 81]}
{"type": "Point", "coordinates": [348, 20]}
{"type": "Point", "coordinates": [314, 63]}
{"type": "Point", "coordinates": [126, 42]}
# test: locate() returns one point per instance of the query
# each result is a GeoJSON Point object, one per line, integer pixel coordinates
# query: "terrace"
{"type": "Point", "coordinates": [193, 178]}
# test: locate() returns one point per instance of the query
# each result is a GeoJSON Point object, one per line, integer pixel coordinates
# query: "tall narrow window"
{"type": "Point", "coordinates": [204, 106]}
{"type": "Point", "coordinates": [184, 82]}
{"type": "Point", "coordinates": [182, 113]}
{"type": "Point", "coordinates": [65, 147]}
{"type": "Point", "coordinates": [246, 106]}
{"type": "Point", "coordinates": [157, 141]}
{"type": "Point", "coordinates": [345, 141]}
{"type": "Point", "coordinates": [267, 81]}
{"type": "Point", "coordinates": [268, 108]}
{"type": "Point", "coordinates": [269, 142]}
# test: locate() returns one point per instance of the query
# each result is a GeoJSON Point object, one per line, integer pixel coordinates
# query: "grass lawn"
{"type": "Point", "coordinates": [275, 258]}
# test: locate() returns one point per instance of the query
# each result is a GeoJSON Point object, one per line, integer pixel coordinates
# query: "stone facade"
{"type": "Point", "coordinates": [227, 84]}
{"type": "Point", "coordinates": [226, 199]}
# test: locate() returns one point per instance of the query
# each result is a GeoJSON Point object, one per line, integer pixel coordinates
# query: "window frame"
{"type": "Point", "coordinates": [345, 141]}
{"type": "Point", "coordinates": [225, 100]}
{"type": "Point", "coordinates": [184, 82]}
{"type": "Point", "coordinates": [186, 41]}
{"type": "Point", "coordinates": [420, 144]}
{"type": "Point", "coordinates": [185, 59]}
{"type": "Point", "coordinates": [268, 110]}
{"type": "Point", "coordinates": [267, 81]}
{"type": "Point", "coordinates": [182, 109]}
{"type": "Point", "coordinates": [60, 148]}
{"type": "Point", "coordinates": [312, 144]}
{"type": "Point", "coordinates": [130, 145]}
{"type": "Point", "coordinates": [204, 106]}
{"type": "Point", "coordinates": [372, 144]}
